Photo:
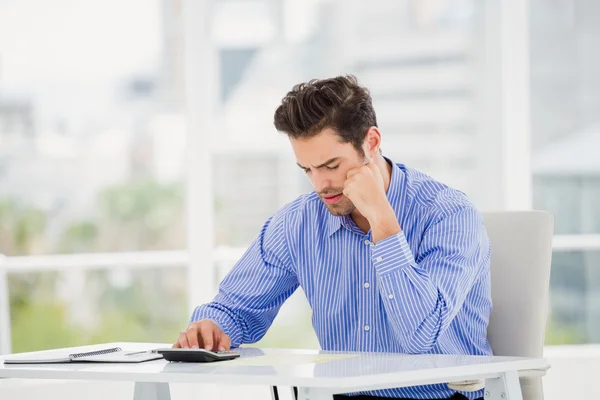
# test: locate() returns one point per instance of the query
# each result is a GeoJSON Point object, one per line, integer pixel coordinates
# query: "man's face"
{"type": "Point", "coordinates": [326, 162]}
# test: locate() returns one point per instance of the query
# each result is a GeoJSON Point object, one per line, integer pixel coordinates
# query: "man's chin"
{"type": "Point", "coordinates": [340, 210]}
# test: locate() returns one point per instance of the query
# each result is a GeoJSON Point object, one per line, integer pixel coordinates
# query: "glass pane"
{"type": "Point", "coordinates": [70, 307]}
{"type": "Point", "coordinates": [420, 63]}
{"type": "Point", "coordinates": [565, 99]}
{"type": "Point", "coordinates": [91, 127]}
{"type": "Point", "coordinates": [420, 60]}
{"type": "Point", "coordinates": [574, 298]}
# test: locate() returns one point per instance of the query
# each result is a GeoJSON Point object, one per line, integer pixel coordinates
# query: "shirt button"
{"type": "Point", "coordinates": [391, 296]}
{"type": "Point", "coordinates": [367, 285]}
{"type": "Point", "coordinates": [378, 259]}
{"type": "Point", "coordinates": [367, 327]}
{"type": "Point", "coordinates": [367, 242]}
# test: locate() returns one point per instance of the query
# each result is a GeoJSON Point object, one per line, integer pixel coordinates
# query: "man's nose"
{"type": "Point", "coordinates": [320, 182]}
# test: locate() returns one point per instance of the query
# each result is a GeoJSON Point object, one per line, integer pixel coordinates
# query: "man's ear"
{"type": "Point", "coordinates": [372, 141]}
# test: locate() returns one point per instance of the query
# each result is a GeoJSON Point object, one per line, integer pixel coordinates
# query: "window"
{"type": "Point", "coordinates": [564, 37]}
{"type": "Point", "coordinates": [95, 139]}
{"type": "Point", "coordinates": [91, 138]}
{"type": "Point", "coordinates": [422, 65]}
{"type": "Point", "coordinates": [575, 291]}
{"type": "Point", "coordinates": [85, 103]}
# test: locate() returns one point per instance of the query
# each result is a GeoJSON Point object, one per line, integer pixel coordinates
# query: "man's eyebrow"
{"type": "Point", "coordinates": [326, 163]}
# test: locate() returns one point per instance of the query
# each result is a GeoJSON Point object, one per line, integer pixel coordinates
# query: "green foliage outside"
{"type": "Point", "coordinates": [560, 334]}
{"type": "Point", "coordinates": [136, 216]}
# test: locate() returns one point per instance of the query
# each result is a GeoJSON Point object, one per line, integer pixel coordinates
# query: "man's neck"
{"type": "Point", "coordinates": [386, 171]}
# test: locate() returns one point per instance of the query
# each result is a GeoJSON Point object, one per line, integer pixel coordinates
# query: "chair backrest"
{"type": "Point", "coordinates": [520, 269]}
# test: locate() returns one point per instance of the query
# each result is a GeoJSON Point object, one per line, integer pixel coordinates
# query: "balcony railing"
{"type": "Point", "coordinates": [162, 259]}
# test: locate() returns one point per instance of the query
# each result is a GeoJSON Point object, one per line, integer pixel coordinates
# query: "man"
{"type": "Point", "coordinates": [390, 259]}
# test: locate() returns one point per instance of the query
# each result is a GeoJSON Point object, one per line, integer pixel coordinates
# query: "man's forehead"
{"type": "Point", "coordinates": [317, 162]}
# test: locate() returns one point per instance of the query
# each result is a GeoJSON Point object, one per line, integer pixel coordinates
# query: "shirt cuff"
{"type": "Point", "coordinates": [391, 254]}
{"type": "Point", "coordinates": [221, 319]}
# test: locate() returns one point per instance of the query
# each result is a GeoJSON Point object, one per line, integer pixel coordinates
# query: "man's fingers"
{"type": "Point", "coordinates": [348, 183]}
{"type": "Point", "coordinates": [347, 193]}
{"type": "Point", "coordinates": [224, 342]}
{"type": "Point", "coordinates": [192, 337]}
{"type": "Point", "coordinates": [372, 165]}
{"type": "Point", "coordinates": [206, 333]}
{"type": "Point", "coordinates": [216, 339]}
{"type": "Point", "coordinates": [203, 334]}
{"type": "Point", "coordinates": [183, 341]}
{"type": "Point", "coordinates": [352, 172]}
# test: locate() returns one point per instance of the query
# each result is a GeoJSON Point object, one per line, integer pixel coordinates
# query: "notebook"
{"type": "Point", "coordinates": [112, 355]}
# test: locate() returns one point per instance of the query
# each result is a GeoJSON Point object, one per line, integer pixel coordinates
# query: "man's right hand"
{"type": "Point", "coordinates": [204, 334]}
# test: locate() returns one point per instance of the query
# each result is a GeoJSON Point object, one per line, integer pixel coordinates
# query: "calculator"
{"type": "Point", "coordinates": [196, 355]}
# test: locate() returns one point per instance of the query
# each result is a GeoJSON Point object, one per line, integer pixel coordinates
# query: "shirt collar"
{"type": "Point", "coordinates": [394, 194]}
{"type": "Point", "coordinates": [333, 223]}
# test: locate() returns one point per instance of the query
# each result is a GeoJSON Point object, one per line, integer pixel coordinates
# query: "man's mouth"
{"type": "Point", "coordinates": [333, 198]}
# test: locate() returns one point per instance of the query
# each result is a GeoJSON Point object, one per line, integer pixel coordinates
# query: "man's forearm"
{"type": "Point", "coordinates": [384, 224]}
{"type": "Point", "coordinates": [409, 296]}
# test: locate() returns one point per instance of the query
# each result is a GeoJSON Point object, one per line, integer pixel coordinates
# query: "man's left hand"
{"type": "Point", "coordinates": [364, 186]}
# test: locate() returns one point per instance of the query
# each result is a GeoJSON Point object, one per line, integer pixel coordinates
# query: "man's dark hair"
{"type": "Point", "coordinates": [338, 103]}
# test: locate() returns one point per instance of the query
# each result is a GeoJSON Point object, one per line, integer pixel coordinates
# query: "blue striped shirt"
{"type": "Point", "coordinates": [423, 290]}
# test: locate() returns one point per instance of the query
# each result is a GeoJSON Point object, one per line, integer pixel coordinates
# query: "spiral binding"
{"type": "Point", "coordinates": [95, 353]}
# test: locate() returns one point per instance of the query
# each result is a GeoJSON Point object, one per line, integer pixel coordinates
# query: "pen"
{"type": "Point", "coordinates": [140, 352]}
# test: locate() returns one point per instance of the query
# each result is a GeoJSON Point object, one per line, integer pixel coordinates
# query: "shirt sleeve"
{"type": "Point", "coordinates": [422, 298]}
{"type": "Point", "coordinates": [252, 293]}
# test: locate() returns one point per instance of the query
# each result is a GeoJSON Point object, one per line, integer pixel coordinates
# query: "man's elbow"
{"type": "Point", "coordinates": [425, 337]}
{"type": "Point", "coordinates": [419, 344]}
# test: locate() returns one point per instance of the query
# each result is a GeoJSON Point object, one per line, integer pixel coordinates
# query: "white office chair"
{"type": "Point", "coordinates": [521, 258]}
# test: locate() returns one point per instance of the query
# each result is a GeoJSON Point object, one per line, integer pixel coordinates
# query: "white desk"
{"type": "Point", "coordinates": [363, 371]}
